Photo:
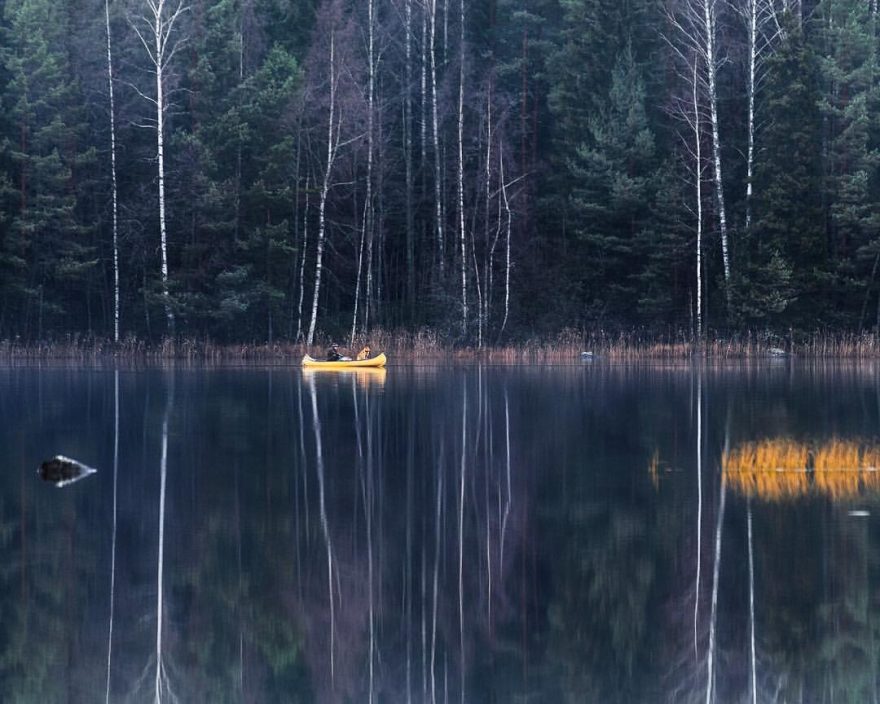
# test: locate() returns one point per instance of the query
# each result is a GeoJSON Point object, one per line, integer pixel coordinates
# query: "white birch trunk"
{"type": "Point", "coordinates": [441, 247]}
{"type": "Point", "coordinates": [325, 188]}
{"type": "Point", "coordinates": [160, 146]}
{"type": "Point", "coordinates": [407, 150]}
{"type": "Point", "coordinates": [752, 19]}
{"type": "Point", "coordinates": [423, 123]}
{"type": "Point", "coordinates": [302, 263]}
{"type": "Point", "coordinates": [113, 177]}
{"type": "Point", "coordinates": [462, 237]}
{"type": "Point", "coordinates": [156, 37]}
{"type": "Point", "coordinates": [487, 267]}
{"type": "Point", "coordinates": [709, 15]}
{"type": "Point", "coordinates": [367, 222]}
{"type": "Point", "coordinates": [698, 178]}
{"type": "Point", "coordinates": [507, 245]}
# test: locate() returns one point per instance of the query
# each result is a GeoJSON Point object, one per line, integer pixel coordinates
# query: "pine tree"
{"type": "Point", "coordinates": [46, 247]}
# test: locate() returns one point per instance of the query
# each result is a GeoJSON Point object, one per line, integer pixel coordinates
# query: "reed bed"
{"type": "Point", "coordinates": [771, 469]}
{"type": "Point", "coordinates": [425, 344]}
{"type": "Point", "coordinates": [779, 469]}
{"type": "Point", "coordinates": [837, 469]}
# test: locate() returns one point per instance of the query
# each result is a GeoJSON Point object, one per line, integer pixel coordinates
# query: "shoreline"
{"type": "Point", "coordinates": [567, 347]}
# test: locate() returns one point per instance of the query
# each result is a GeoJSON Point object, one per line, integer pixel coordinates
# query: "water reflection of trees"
{"type": "Point", "coordinates": [482, 535]}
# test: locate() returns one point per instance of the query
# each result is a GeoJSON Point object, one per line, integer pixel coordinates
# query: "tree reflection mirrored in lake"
{"type": "Point", "coordinates": [563, 534]}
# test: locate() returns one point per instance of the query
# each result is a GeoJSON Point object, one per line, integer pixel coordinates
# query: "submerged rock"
{"type": "Point", "coordinates": [61, 471]}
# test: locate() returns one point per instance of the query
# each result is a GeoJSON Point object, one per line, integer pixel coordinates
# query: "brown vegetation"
{"type": "Point", "coordinates": [426, 344]}
{"type": "Point", "coordinates": [779, 469]}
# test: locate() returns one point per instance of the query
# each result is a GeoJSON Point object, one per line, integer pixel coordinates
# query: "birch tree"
{"type": "Point", "coordinates": [330, 23]}
{"type": "Point", "coordinates": [408, 162]}
{"type": "Point", "coordinates": [438, 203]}
{"type": "Point", "coordinates": [333, 128]}
{"type": "Point", "coordinates": [694, 26]}
{"type": "Point", "coordinates": [367, 221]}
{"type": "Point", "coordinates": [113, 177]}
{"type": "Point", "coordinates": [156, 31]}
{"type": "Point", "coordinates": [462, 234]}
{"type": "Point", "coordinates": [762, 27]}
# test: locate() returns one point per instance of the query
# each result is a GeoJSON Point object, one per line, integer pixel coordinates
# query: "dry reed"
{"type": "Point", "coordinates": [771, 469]}
{"type": "Point", "coordinates": [566, 347]}
{"type": "Point", "coordinates": [778, 469]}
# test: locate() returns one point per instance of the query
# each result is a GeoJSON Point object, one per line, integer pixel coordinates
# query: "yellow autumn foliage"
{"type": "Point", "coordinates": [777, 469]}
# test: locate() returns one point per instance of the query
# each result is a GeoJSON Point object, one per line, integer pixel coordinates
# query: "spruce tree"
{"type": "Point", "coordinates": [849, 107]}
{"type": "Point", "coordinates": [784, 256]}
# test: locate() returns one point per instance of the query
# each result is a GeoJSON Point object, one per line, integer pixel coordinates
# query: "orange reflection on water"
{"type": "Point", "coordinates": [771, 469]}
{"type": "Point", "coordinates": [780, 468]}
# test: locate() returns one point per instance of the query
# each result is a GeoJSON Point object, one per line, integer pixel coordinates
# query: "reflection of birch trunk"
{"type": "Point", "coordinates": [319, 462]}
{"type": "Point", "coordinates": [113, 534]}
{"type": "Point", "coordinates": [461, 536]}
{"type": "Point", "coordinates": [710, 675]}
{"type": "Point", "coordinates": [754, 678]}
{"type": "Point", "coordinates": [161, 679]}
{"type": "Point", "coordinates": [436, 576]}
{"type": "Point", "coordinates": [423, 582]}
{"type": "Point", "coordinates": [713, 618]}
{"type": "Point", "coordinates": [367, 489]}
{"type": "Point", "coordinates": [408, 569]}
{"type": "Point", "coordinates": [699, 507]}
{"type": "Point", "coordinates": [507, 466]}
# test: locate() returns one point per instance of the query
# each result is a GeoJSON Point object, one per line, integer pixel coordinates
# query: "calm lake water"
{"type": "Point", "coordinates": [439, 534]}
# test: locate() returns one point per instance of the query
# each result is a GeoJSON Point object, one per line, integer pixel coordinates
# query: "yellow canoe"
{"type": "Point", "coordinates": [377, 361]}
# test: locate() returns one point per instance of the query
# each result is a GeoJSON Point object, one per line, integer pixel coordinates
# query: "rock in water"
{"type": "Point", "coordinates": [61, 471]}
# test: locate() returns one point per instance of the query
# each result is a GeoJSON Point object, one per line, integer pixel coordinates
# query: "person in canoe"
{"type": "Point", "coordinates": [364, 353]}
{"type": "Point", "coordinates": [334, 356]}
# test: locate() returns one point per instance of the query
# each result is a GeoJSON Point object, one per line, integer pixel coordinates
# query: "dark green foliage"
{"type": "Point", "coordinates": [48, 254]}
{"type": "Point", "coordinates": [784, 257]}
{"type": "Point", "coordinates": [581, 94]}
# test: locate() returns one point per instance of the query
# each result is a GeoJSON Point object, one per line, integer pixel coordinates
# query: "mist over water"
{"type": "Point", "coordinates": [432, 534]}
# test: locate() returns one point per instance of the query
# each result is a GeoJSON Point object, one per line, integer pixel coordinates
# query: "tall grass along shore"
{"type": "Point", "coordinates": [405, 346]}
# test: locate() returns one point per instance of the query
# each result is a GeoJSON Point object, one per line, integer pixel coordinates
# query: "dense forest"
{"type": "Point", "coordinates": [488, 169]}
